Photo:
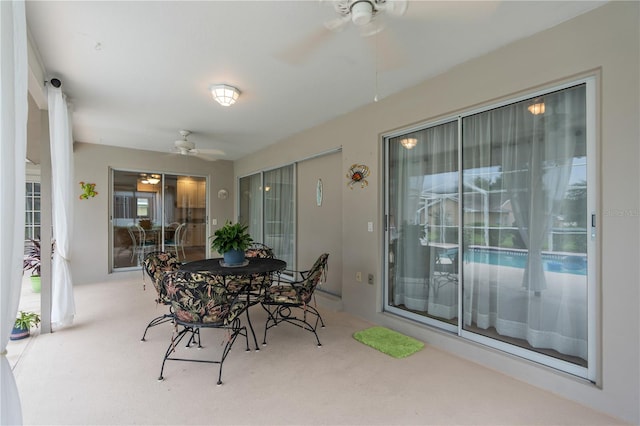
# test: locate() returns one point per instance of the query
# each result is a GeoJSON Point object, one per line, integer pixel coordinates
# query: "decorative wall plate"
{"type": "Point", "coordinates": [319, 192]}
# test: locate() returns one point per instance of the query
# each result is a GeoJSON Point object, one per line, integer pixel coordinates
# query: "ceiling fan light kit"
{"type": "Point", "coordinates": [361, 12]}
{"type": "Point", "coordinates": [224, 94]}
{"type": "Point", "coordinates": [183, 145]}
{"type": "Point", "coordinates": [152, 179]}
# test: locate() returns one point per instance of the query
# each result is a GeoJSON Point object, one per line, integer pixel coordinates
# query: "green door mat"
{"type": "Point", "coordinates": [388, 341]}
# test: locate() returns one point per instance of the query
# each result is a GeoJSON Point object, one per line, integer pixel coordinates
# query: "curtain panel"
{"type": "Point", "coordinates": [13, 143]}
{"type": "Point", "coordinates": [532, 156]}
{"type": "Point", "coordinates": [61, 140]}
{"type": "Point", "coordinates": [279, 213]}
{"type": "Point", "coordinates": [424, 181]}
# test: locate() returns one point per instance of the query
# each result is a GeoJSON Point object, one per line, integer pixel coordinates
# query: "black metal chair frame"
{"type": "Point", "coordinates": [166, 317]}
{"type": "Point", "coordinates": [285, 311]}
{"type": "Point", "coordinates": [249, 282]}
{"type": "Point", "coordinates": [444, 273]}
{"type": "Point", "coordinates": [235, 328]}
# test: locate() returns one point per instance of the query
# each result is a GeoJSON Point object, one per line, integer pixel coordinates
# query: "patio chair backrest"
{"type": "Point", "coordinates": [156, 265]}
{"type": "Point", "coordinates": [259, 250]}
{"type": "Point", "coordinates": [201, 298]}
{"type": "Point", "coordinates": [313, 277]}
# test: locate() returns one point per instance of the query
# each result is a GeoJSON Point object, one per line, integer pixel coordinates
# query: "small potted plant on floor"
{"type": "Point", "coordinates": [231, 241]}
{"type": "Point", "coordinates": [32, 262]}
{"type": "Point", "coordinates": [23, 324]}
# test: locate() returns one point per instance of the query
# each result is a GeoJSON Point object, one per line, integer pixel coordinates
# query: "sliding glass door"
{"type": "Point", "coordinates": [491, 227]}
{"type": "Point", "coordinates": [267, 206]}
{"type": "Point", "coordinates": [251, 203]}
{"type": "Point", "coordinates": [526, 275]}
{"type": "Point", "coordinates": [423, 223]}
{"type": "Point", "coordinates": [155, 211]}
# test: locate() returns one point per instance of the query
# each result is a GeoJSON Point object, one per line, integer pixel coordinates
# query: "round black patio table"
{"type": "Point", "coordinates": [255, 265]}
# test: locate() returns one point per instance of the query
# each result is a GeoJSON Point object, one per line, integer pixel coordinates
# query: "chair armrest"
{"type": "Point", "coordinates": [297, 275]}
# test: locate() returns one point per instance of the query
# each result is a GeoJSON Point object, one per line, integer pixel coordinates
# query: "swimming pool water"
{"type": "Point", "coordinates": [571, 264]}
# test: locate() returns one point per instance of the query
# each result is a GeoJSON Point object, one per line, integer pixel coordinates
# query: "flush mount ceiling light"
{"type": "Point", "coordinates": [224, 94]}
{"type": "Point", "coordinates": [409, 142]}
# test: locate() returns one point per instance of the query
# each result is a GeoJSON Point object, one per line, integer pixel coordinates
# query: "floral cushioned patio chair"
{"type": "Point", "coordinates": [289, 301]}
{"type": "Point", "coordinates": [156, 264]}
{"type": "Point", "coordinates": [257, 283]}
{"type": "Point", "coordinates": [259, 250]}
{"type": "Point", "coordinates": [201, 300]}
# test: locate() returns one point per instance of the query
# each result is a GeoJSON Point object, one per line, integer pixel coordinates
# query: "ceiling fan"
{"type": "Point", "coordinates": [373, 19]}
{"type": "Point", "coordinates": [368, 17]}
{"type": "Point", "coordinates": [365, 14]}
{"type": "Point", "coordinates": [186, 147]}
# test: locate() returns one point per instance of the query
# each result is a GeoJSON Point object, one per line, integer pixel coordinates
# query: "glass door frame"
{"type": "Point", "coordinates": [387, 307]}
{"type": "Point", "coordinates": [592, 303]}
{"type": "Point", "coordinates": [294, 184]}
{"type": "Point", "coordinates": [162, 214]}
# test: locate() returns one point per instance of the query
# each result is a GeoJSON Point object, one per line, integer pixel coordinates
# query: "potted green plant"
{"type": "Point", "coordinates": [231, 241]}
{"type": "Point", "coordinates": [23, 324]}
{"type": "Point", "coordinates": [32, 262]}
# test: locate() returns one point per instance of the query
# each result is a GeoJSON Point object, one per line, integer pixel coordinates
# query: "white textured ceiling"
{"type": "Point", "coordinates": [149, 76]}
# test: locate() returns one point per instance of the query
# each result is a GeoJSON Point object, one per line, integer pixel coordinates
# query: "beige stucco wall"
{"type": "Point", "coordinates": [604, 43]}
{"type": "Point", "coordinates": [90, 260]}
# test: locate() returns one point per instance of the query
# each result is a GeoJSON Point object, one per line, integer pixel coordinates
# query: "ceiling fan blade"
{"type": "Point", "coordinates": [388, 52]}
{"type": "Point", "coordinates": [207, 154]}
{"type": "Point", "coordinates": [202, 156]}
{"type": "Point", "coordinates": [376, 25]}
{"type": "Point", "coordinates": [210, 151]}
{"type": "Point", "coordinates": [299, 52]}
{"type": "Point", "coordinates": [337, 24]}
{"type": "Point", "coordinates": [394, 7]}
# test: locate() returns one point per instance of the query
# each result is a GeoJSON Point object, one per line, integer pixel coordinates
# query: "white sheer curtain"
{"type": "Point", "coordinates": [255, 207]}
{"type": "Point", "coordinates": [279, 224]}
{"type": "Point", "coordinates": [535, 155]}
{"type": "Point", "coordinates": [63, 305]}
{"type": "Point", "coordinates": [409, 256]}
{"type": "Point", "coordinates": [421, 181]}
{"type": "Point", "coordinates": [13, 142]}
{"type": "Point", "coordinates": [536, 171]}
{"type": "Point", "coordinates": [251, 204]}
